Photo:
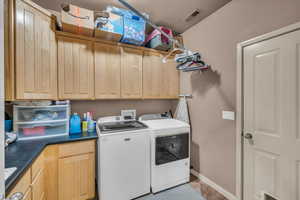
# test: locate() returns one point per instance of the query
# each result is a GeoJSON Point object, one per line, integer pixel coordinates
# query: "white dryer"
{"type": "Point", "coordinates": [170, 153]}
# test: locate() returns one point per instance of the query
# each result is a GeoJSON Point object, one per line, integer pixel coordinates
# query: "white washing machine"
{"type": "Point", "coordinates": [124, 159]}
{"type": "Point", "coordinates": [170, 153]}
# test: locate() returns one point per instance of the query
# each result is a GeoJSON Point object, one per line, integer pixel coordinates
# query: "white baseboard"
{"type": "Point", "coordinates": [215, 186]}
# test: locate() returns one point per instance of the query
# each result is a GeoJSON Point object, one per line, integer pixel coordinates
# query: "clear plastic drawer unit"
{"type": "Point", "coordinates": [34, 122]}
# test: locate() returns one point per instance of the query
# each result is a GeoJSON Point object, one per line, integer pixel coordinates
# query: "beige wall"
{"type": "Point", "coordinates": [216, 37]}
{"type": "Point", "coordinates": [114, 107]}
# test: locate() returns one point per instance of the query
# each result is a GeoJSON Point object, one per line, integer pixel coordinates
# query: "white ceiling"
{"type": "Point", "coordinates": [170, 13]}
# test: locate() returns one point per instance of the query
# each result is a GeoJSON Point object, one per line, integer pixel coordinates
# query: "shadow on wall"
{"type": "Point", "coordinates": [201, 82]}
{"type": "Point", "coordinates": [195, 155]}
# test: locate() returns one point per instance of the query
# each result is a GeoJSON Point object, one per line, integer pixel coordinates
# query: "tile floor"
{"type": "Point", "coordinates": [206, 191]}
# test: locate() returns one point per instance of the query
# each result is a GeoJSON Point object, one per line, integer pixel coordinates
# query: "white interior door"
{"type": "Point", "coordinates": [2, 182]}
{"type": "Point", "coordinates": [272, 118]}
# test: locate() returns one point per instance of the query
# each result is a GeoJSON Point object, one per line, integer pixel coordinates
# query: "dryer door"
{"type": "Point", "coordinates": [171, 148]}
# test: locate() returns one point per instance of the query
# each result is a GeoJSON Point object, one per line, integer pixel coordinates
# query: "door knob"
{"type": "Point", "coordinates": [16, 196]}
{"type": "Point", "coordinates": [248, 136]}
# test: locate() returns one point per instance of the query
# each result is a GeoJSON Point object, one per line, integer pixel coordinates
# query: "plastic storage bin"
{"type": "Point", "coordinates": [33, 122]}
{"type": "Point", "coordinates": [134, 26]}
{"type": "Point", "coordinates": [113, 28]}
{"type": "Point", "coordinates": [158, 41]}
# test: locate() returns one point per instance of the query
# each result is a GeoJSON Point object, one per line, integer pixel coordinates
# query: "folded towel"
{"type": "Point", "coordinates": [182, 111]}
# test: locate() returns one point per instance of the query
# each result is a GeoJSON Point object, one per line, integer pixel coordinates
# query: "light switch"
{"type": "Point", "coordinates": [228, 115]}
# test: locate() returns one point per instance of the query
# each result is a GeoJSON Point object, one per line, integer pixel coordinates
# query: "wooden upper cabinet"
{"type": "Point", "coordinates": [107, 71]}
{"type": "Point", "coordinates": [75, 69]}
{"type": "Point", "coordinates": [160, 80]}
{"type": "Point", "coordinates": [170, 80]}
{"type": "Point", "coordinates": [131, 73]}
{"type": "Point", "coordinates": [152, 75]}
{"type": "Point", "coordinates": [35, 54]}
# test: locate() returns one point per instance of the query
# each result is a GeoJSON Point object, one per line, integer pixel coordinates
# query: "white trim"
{"type": "Point", "coordinates": [239, 99]}
{"type": "Point", "coordinates": [276, 33]}
{"type": "Point", "coordinates": [215, 186]}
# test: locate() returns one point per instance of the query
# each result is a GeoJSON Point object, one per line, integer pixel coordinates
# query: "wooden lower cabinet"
{"type": "Point", "coordinates": [60, 173]}
{"type": "Point", "coordinates": [38, 186]}
{"type": "Point", "coordinates": [76, 177]}
{"type": "Point", "coordinates": [28, 195]}
{"type": "Point", "coordinates": [23, 185]}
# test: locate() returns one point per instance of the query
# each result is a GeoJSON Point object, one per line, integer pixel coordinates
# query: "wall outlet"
{"type": "Point", "coordinates": [228, 115]}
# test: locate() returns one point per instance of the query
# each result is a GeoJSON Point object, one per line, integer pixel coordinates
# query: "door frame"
{"type": "Point", "coordinates": [240, 99]}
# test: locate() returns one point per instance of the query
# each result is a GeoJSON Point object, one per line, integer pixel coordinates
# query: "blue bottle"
{"type": "Point", "coordinates": [75, 124]}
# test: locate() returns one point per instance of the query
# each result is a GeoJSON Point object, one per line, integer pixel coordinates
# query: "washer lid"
{"type": "Point", "coordinates": [118, 126]}
{"type": "Point", "coordinates": [161, 124]}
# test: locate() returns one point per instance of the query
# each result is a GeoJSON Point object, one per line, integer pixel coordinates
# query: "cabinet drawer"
{"type": "Point", "coordinates": [37, 166]}
{"type": "Point", "coordinates": [76, 148]}
{"type": "Point", "coordinates": [23, 184]}
{"type": "Point", "coordinates": [27, 195]}
{"type": "Point", "coordinates": [38, 186]}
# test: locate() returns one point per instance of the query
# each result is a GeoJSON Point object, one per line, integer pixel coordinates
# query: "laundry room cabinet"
{"type": "Point", "coordinates": [131, 73]}
{"type": "Point", "coordinates": [107, 71]}
{"type": "Point", "coordinates": [152, 75]}
{"type": "Point", "coordinates": [35, 53]}
{"type": "Point", "coordinates": [42, 63]}
{"type": "Point", "coordinates": [160, 80]}
{"type": "Point", "coordinates": [75, 68]}
{"type": "Point", "coordinates": [61, 172]}
{"type": "Point", "coordinates": [170, 80]}
{"type": "Point", "coordinates": [81, 185]}
{"type": "Point", "coordinates": [76, 171]}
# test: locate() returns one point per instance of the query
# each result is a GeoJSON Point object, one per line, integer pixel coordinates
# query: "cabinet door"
{"type": "Point", "coordinates": [36, 57]}
{"type": "Point", "coordinates": [38, 186]}
{"type": "Point", "coordinates": [152, 75]}
{"type": "Point", "coordinates": [170, 80]}
{"type": "Point", "coordinates": [27, 195]}
{"type": "Point", "coordinates": [131, 73]}
{"type": "Point", "coordinates": [107, 71]}
{"type": "Point", "coordinates": [76, 177]}
{"type": "Point", "coordinates": [75, 68]}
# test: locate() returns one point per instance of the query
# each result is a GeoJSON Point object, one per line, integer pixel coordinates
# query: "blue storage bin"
{"type": "Point", "coordinates": [134, 26]}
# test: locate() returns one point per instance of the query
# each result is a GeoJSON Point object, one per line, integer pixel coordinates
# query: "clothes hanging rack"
{"type": "Point", "coordinates": [187, 59]}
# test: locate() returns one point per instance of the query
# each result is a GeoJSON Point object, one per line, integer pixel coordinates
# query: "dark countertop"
{"type": "Point", "coordinates": [21, 154]}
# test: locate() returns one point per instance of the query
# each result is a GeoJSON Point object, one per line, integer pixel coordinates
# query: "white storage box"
{"type": "Point", "coordinates": [34, 122]}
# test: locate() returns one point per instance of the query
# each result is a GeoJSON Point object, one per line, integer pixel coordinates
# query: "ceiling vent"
{"type": "Point", "coordinates": [193, 15]}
